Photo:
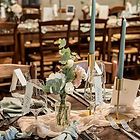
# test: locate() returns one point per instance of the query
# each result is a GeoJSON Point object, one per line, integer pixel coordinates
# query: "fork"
{"type": "Point", "coordinates": [116, 126]}
{"type": "Point", "coordinates": [127, 128]}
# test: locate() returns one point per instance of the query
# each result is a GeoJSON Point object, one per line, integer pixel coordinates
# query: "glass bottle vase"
{"type": "Point", "coordinates": [62, 112]}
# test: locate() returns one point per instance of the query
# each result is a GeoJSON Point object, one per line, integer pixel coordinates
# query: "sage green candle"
{"type": "Point", "coordinates": [92, 30]}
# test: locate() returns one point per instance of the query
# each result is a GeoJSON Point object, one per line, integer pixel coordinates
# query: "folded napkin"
{"type": "Point", "coordinates": [13, 106]}
{"type": "Point", "coordinates": [69, 133]}
{"type": "Point", "coordinates": [12, 134]}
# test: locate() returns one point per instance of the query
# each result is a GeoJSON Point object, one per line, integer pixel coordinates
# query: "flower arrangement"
{"type": "Point", "coordinates": [67, 78]}
{"type": "Point", "coordinates": [12, 8]}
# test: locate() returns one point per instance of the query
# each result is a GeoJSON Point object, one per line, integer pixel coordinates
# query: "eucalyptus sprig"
{"type": "Point", "coordinates": [62, 82]}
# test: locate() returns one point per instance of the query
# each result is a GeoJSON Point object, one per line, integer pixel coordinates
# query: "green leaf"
{"type": "Point", "coordinates": [70, 73]}
{"type": "Point", "coordinates": [62, 43]}
{"type": "Point", "coordinates": [54, 84]}
{"type": "Point", "coordinates": [65, 55]}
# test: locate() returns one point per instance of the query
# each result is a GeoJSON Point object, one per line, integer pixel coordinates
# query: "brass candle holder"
{"type": "Point", "coordinates": [117, 116]}
{"type": "Point", "coordinates": [89, 82]}
{"type": "Point", "coordinates": [119, 87]}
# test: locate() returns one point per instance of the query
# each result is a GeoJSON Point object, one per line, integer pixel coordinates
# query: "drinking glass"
{"type": "Point", "coordinates": [90, 85]}
{"type": "Point", "coordinates": [38, 104]}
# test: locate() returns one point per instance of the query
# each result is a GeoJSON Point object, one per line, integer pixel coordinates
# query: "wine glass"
{"type": "Point", "coordinates": [38, 103]}
{"type": "Point", "coordinates": [38, 92]}
{"type": "Point", "coordinates": [98, 74]}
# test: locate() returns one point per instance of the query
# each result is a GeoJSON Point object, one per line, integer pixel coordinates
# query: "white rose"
{"type": "Point", "coordinates": [69, 88]}
{"type": "Point", "coordinates": [51, 76]}
{"type": "Point", "coordinates": [70, 63]}
{"type": "Point", "coordinates": [56, 75]}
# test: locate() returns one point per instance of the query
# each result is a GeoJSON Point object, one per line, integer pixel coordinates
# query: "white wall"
{"type": "Point", "coordinates": [79, 6]}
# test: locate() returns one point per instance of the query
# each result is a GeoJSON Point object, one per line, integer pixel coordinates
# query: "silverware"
{"type": "Point", "coordinates": [127, 128]}
{"type": "Point", "coordinates": [80, 98]}
{"type": "Point", "coordinates": [94, 136]}
{"type": "Point", "coordinates": [85, 136]}
{"type": "Point", "coordinates": [116, 126]}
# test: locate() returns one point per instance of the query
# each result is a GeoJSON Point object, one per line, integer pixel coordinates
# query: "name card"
{"type": "Point", "coordinates": [17, 75]}
{"type": "Point", "coordinates": [98, 90]}
{"type": "Point", "coordinates": [27, 98]}
{"type": "Point", "coordinates": [127, 94]}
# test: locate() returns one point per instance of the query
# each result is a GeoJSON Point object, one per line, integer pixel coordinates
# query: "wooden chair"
{"type": "Point", "coordinates": [30, 12]}
{"type": "Point", "coordinates": [116, 10]}
{"type": "Point", "coordinates": [8, 42]}
{"type": "Point", "coordinates": [84, 37]}
{"type": "Point", "coordinates": [132, 46]}
{"type": "Point", "coordinates": [49, 32]}
{"type": "Point", "coordinates": [110, 69]}
{"type": "Point", "coordinates": [7, 72]}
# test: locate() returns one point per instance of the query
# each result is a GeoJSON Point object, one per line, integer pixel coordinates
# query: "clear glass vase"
{"type": "Point", "coordinates": [62, 112]}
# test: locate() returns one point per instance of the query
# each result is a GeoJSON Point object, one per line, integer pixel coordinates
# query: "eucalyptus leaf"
{"type": "Point", "coordinates": [70, 74]}
{"type": "Point", "coordinates": [62, 43]}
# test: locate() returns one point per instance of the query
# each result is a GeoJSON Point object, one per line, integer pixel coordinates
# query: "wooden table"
{"type": "Point", "coordinates": [104, 133]}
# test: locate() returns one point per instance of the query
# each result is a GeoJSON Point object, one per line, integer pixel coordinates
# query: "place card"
{"type": "Point", "coordinates": [98, 90]}
{"type": "Point", "coordinates": [27, 98]}
{"type": "Point", "coordinates": [17, 75]}
{"type": "Point", "coordinates": [127, 94]}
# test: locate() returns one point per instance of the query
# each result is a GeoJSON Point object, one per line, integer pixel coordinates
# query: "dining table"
{"type": "Point", "coordinates": [79, 106]}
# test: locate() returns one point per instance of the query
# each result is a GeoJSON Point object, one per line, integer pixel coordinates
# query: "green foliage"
{"type": "Point", "coordinates": [53, 86]}
{"type": "Point", "coordinates": [57, 85]}
{"type": "Point", "coordinates": [69, 73]}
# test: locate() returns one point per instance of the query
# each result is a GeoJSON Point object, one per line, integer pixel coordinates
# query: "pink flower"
{"type": "Point", "coordinates": [80, 74]}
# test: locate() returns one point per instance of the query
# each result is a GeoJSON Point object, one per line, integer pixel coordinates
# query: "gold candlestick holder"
{"type": "Point", "coordinates": [119, 87]}
{"type": "Point", "coordinates": [89, 82]}
{"type": "Point", "coordinates": [117, 116]}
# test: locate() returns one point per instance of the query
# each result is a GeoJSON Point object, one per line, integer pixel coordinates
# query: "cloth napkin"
{"type": "Point", "coordinates": [46, 124]}
{"type": "Point", "coordinates": [12, 133]}
{"type": "Point", "coordinates": [13, 106]}
{"type": "Point", "coordinates": [69, 133]}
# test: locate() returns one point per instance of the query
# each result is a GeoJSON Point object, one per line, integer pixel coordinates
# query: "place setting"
{"type": "Point", "coordinates": [73, 102]}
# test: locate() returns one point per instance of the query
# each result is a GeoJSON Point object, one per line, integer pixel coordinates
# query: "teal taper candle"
{"type": "Point", "coordinates": [92, 31]}
{"type": "Point", "coordinates": [122, 48]}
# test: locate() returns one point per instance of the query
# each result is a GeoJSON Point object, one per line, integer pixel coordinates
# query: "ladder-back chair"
{"type": "Point", "coordinates": [8, 42]}
{"type": "Point", "coordinates": [49, 32]}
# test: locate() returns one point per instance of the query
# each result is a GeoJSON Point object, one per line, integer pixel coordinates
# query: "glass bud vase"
{"type": "Point", "coordinates": [62, 112]}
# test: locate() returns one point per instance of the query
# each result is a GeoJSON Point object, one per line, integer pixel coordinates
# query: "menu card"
{"type": "Point", "coordinates": [127, 94]}
{"type": "Point", "coordinates": [17, 75]}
